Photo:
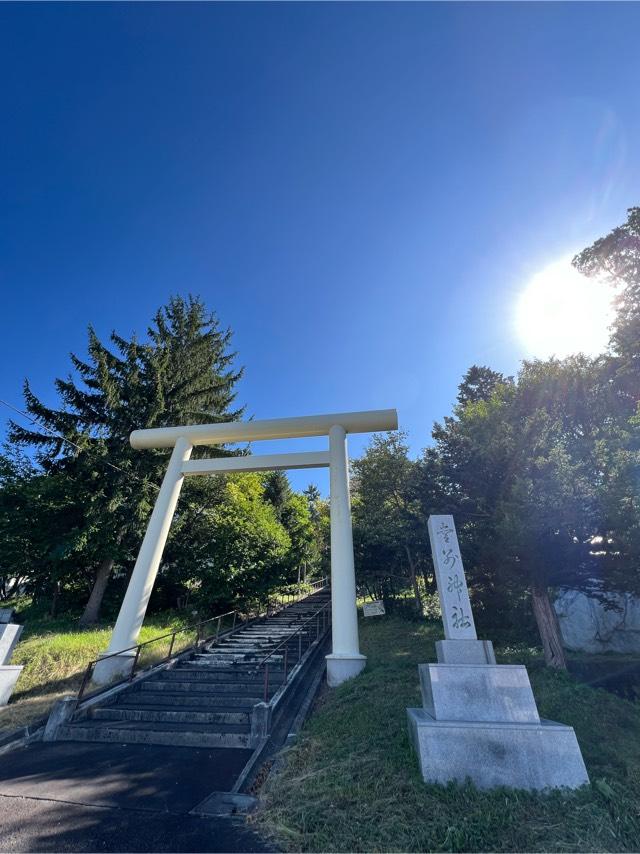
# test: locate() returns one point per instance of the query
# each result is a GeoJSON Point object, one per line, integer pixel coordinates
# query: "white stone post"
{"type": "Point", "coordinates": [345, 660]}
{"type": "Point", "coordinates": [134, 606]}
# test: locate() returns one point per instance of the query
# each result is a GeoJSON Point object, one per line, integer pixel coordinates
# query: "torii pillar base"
{"type": "Point", "coordinates": [343, 667]}
{"type": "Point", "coordinates": [112, 668]}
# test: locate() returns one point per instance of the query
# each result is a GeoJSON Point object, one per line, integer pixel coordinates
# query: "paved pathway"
{"type": "Point", "coordinates": [69, 796]}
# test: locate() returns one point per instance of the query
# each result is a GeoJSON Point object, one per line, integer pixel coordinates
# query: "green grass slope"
{"type": "Point", "coordinates": [55, 654]}
{"type": "Point", "coordinates": [352, 782]}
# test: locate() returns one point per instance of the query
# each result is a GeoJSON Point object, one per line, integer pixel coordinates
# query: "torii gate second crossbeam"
{"type": "Point", "coordinates": [345, 659]}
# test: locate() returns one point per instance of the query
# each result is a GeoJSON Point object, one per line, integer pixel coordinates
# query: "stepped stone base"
{"type": "Point", "coordinates": [465, 652]}
{"type": "Point", "coordinates": [519, 755]}
{"type": "Point", "coordinates": [478, 692]}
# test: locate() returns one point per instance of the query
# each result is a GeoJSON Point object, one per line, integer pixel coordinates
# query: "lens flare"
{"type": "Point", "coordinates": [561, 312]}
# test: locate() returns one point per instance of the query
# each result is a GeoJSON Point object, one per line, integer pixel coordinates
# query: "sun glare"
{"type": "Point", "coordinates": [562, 312]}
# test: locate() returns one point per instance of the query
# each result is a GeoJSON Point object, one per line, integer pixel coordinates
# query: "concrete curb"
{"type": "Point", "coordinates": [23, 735]}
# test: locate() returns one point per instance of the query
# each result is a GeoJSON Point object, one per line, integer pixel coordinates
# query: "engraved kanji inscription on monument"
{"type": "Point", "coordinates": [452, 586]}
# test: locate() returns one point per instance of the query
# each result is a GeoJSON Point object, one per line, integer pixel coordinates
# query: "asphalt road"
{"type": "Point", "coordinates": [70, 796]}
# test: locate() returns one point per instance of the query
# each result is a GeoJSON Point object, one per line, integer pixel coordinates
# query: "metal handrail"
{"type": "Point", "coordinates": [199, 640]}
{"type": "Point", "coordinates": [325, 610]}
{"type": "Point", "coordinates": [197, 627]}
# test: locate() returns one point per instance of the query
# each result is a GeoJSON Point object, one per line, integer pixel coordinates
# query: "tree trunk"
{"type": "Point", "coordinates": [92, 608]}
{"type": "Point", "coordinates": [547, 621]}
{"type": "Point", "coordinates": [53, 610]}
{"type": "Point", "coordinates": [414, 582]}
{"type": "Point", "coordinates": [428, 581]}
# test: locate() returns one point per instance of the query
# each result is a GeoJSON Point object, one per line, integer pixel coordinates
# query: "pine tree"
{"type": "Point", "coordinates": [277, 491]}
{"type": "Point", "coordinates": [182, 374]}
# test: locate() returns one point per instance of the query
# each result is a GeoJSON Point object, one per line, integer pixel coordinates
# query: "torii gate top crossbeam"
{"type": "Point", "coordinates": [273, 428]}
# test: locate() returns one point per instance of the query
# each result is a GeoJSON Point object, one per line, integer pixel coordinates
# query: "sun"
{"type": "Point", "coordinates": [562, 312]}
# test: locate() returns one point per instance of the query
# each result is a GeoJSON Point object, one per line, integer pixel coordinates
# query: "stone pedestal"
{"type": "Point", "coordinates": [465, 652]}
{"type": "Point", "coordinates": [9, 637]}
{"type": "Point", "coordinates": [477, 692]}
{"type": "Point", "coordinates": [522, 756]}
{"type": "Point", "coordinates": [479, 719]}
{"type": "Point", "coordinates": [9, 674]}
{"type": "Point", "coordinates": [481, 722]}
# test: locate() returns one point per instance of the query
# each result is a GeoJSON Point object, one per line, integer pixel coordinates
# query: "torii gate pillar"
{"type": "Point", "coordinates": [345, 659]}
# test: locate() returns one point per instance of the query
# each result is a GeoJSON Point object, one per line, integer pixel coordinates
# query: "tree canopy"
{"type": "Point", "coordinates": [541, 472]}
{"type": "Point", "coordinates": [92, 494]}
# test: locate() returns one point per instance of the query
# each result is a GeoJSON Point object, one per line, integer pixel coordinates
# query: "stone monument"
{"type": "Point", "coordinates": [9, 637]}
{"type": "Point", "coordinates": [479, 719]}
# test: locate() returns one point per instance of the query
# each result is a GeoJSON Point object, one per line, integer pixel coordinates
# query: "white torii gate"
{"type": "Point", "coordinates": [345, 659]}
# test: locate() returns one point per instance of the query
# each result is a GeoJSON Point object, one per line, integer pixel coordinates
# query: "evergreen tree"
{"type": "Point", "coordinates": [479, 383]}
{"type": "Point", "coordinates": [277, 490]}
{"type": "Point", "coordinates": [318, 513]}
{"type": "Point", "coordinates": [182, 374]}
{"type": "Point", "coordinates": [389, 528]}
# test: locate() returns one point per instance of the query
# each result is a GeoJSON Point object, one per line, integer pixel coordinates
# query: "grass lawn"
{"type": "Point", "coordinates": [352, 783]}
{"type": "Point", "coordinates": [55, 654]}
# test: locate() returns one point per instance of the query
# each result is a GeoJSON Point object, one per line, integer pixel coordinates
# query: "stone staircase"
{"type": "Point", "coordinates": [206, 699]}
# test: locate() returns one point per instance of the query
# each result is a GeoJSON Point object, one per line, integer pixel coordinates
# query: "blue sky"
{"type": "Point", "coordinates": [360, 191]}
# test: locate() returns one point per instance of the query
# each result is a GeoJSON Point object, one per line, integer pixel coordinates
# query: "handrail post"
{"type": "Point", "coordinates": [266, 681]}
{"type": "Point", "coordinates": [85, 682]}
{"type": "Point", "coordinates": [173, 640]}
{"type": "Point", "coordinates": [286, 650]}
{"type": "Point", "coordinates": [135, 662]}
{"type": "Point", "coordinates": [234, 620]}
{"type": "Point", "coordinates": [218, 628]}
{"type": "Point", "coordinates": [299, 644]}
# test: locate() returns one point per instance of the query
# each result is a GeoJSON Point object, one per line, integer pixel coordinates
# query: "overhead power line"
{"type": "Point", "coordinates": [55, 435]}
{"type": "Point", "coordinates": [198, 509]}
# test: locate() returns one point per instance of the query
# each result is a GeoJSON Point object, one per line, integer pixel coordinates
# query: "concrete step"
{"type": "Point", "coordinates": [263, 633]}
{"type": "Point", "coordinates": [131, 732]}
{"type": "Point", "coordinates": [245, 661]}
{"type": "Point", "coordinates": [246, 645]}
{"type": "Point", "coordinates": [249, 689]}
{"type": "Point", "coordinates": [177, 701]}
{"type": "Point", "coordinates": [236, 672]}
{"type": "Point", "coordinates": [240, 652]}
{"type": "Point", "coordinates": [231, 659]}
{"type": "Point", "coordinates": [223, 662]}
{"type": "Point", "coordinates": [210, 675]}
{"type": "Point", "coordinates": [183, 716]}
{"type": "Point", "coordinates": [248, 663]}
{"type": "Point", "coordinates": [206, 700]}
